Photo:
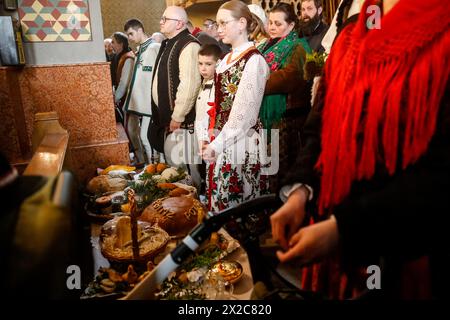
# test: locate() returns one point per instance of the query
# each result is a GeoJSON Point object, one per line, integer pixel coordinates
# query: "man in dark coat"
{"type": "Point", "coordinates": [311, 24]}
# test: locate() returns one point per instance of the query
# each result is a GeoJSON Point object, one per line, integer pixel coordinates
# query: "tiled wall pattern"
{"type": "Point", "coordinates": [54, 20]}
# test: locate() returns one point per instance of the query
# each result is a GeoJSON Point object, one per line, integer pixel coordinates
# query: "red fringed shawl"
{"type": "Point", "coordinates": [383, 92]}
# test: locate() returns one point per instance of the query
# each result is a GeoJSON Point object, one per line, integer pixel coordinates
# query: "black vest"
{"type": "Point", "coordinates": [168, 68]}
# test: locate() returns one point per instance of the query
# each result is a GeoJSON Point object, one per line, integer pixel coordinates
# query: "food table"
{"type": "Point", "coordinates": [219, 266]}
{"type": "Point", "coordinates": [241, 290]}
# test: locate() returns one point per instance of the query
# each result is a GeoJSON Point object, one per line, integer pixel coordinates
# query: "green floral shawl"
{"type": "Point", "coordinates": [277, 57]}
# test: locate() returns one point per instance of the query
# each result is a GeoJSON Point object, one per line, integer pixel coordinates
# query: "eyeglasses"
{"type": "Point", "coordinates": [164, 19]}
{"type": "Point", "coordinates": [223, 24]}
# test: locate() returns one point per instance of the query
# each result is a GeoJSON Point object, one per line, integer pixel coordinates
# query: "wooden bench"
{"type": "Point", "coordinates": [47, 232]}
{"type": "Point", "coordinates": [50, 145]}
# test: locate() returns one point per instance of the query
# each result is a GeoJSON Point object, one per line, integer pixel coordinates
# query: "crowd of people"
{"type": "Point", "coordinates": [167, 112]}
{"type": "Point", "coordinates": [349, 124]}
{"type": "Point", "coordinates": [361, 154]}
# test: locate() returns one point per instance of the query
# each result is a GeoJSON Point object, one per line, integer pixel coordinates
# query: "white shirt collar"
{"type": "Point", "coordinates": [241, 48]}
{"type": "Point", "coordinates": [235, 52]}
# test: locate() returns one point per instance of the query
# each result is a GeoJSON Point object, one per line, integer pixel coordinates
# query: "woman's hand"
{"type": "Point", "coordinates": [286, 220]}
{"type": "Point", "coordinates": [312, 243]}
{"type": "Point", "coordinates": [202, 144]}
{"type": "Point", "coordinates": [208, 154]}
{"type": "Point", "coordinates": [174, 125]}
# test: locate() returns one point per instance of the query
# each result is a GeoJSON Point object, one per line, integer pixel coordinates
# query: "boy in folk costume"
{"type": "Point", "coordinates": [208, 56]}
{"type": "Point", "coordinates": [138, 104]}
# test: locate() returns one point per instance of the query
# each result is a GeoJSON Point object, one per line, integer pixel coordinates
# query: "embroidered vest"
{"type": "Point", "coordinates": [168, 68]}
{"type": "Point", "coordinates": [226, 85]}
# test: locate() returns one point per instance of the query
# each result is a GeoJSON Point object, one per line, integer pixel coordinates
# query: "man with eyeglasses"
{"type": "Point", "coordinates": [209, 35]}
{"type": "Point", "coordinates": [208, 24]}
{"type": "Point", "coordinates": [176, 81]}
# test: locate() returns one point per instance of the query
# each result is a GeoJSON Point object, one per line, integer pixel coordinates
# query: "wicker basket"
{"type": "Point", "coordinates": [148, 249]}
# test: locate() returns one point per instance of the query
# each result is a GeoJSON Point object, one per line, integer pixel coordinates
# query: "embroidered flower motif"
{"type": "Point", "coordinates": [274, 66]}
{"type": "Point", "coordinates": [263, 184]}
{"type": "Point", "coordinates": [269, 57]}
{"type": "Point", "coordinates": [236, 189]}
{"type": "Point", "coordinates": [232, 88]}
{"type": "Point", "coordinates": [213, 186]}
{"type": "Point", "coordinates": [226, 168]}
{"type": "Point", "coordinates": [256, 168]}
{"type": "Point", "coordinates": [234, 186]}
{"type": "Point", "coordinates": [234, 180]}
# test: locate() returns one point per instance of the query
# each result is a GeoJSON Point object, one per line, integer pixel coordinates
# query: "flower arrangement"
{"type": "Point", "coordinates": [194, 280]}
{"type": "Point", "coordinates": [314, 65]}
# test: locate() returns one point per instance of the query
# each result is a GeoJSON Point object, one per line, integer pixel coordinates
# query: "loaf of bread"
{"type": "Point", "coordinates": [176, 215]}
{"type": "Point", "coordinates": [103, 183]}
{"type": "Point", "coordinates": [116, 240]}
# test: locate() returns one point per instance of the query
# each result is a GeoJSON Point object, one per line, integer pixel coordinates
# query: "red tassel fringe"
{"type": "Point", "coordinates": [382, 101]}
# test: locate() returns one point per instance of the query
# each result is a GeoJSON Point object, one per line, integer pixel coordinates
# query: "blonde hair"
{"type": "Point", "coordinates": [259, 32]}
{"type": "Point", "coordinates": [240, 10]}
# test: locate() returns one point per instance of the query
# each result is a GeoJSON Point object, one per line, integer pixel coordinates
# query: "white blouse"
{"type": "Point", "coordinates": [247, 102]}
{"type": "Point", "coordinates": [125, 78]}
{"type": "Point", "coordinates": [201, 110]}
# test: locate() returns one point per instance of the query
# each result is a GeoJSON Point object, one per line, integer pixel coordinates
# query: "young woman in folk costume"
{"type": "Point", "coordinates": [287, 95]}
{"type": "Point", "coordinates": [235, 149]}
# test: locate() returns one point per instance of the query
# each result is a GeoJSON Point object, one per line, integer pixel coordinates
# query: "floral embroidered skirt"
{"type": "Point", "coordinates": [228, 183]}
